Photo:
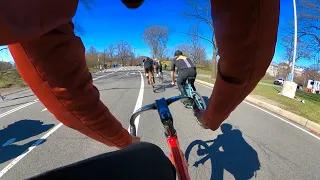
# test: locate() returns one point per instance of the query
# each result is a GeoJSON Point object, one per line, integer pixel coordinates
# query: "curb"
{"type": "Point", "coordinates": [312, 126]}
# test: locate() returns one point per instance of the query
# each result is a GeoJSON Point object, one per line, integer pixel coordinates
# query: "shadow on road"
{"type": "Point", "coordinates": [229, 152]}
{"type": "Point", "coordinates": [19, 131]}
{"type": "Point", "coordinates": [20, 97]}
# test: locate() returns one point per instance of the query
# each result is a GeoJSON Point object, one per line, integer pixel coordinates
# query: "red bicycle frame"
{"type": "Point", "coordinates": [176, 155]}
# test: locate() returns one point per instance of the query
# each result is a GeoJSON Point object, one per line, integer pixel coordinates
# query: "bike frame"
{"type": "Point", "coordinates": [176, 155]}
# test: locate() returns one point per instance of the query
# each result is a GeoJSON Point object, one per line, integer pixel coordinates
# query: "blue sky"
{"type": "Point", "coordinates": [111, 22]}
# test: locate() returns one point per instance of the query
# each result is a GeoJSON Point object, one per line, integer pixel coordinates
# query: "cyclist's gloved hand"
{"type": "Point", "coordinates": [199, 117]}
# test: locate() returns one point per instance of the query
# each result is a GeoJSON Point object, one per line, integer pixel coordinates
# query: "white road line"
{"type": "Point", "coordinates": [45, 109]}
{"type": "Point", "coordinates": [17, 108]}
{"type": "Point", "coordinates": [138, 103]}
{"type": "Point", "coordinates": [127, 73]}
{"type": "Point", "coordinates": [286, 121]}
{"type": "Point", "coordinates": [39, 141]}
{"type": "Point", "coordinates": [274, 115]}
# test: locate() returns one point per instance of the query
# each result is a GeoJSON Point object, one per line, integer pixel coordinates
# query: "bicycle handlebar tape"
{"type": "Point", "coordinates": [133, 131]}
{"type": "Point", "coordinates": [132, 4]}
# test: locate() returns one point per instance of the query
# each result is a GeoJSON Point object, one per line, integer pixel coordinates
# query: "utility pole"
{"type": "Point", "coordinates": [289, 87]}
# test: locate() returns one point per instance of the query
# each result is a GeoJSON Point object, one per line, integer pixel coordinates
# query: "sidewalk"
{"type": "Point", "coordinates": [312, 126]}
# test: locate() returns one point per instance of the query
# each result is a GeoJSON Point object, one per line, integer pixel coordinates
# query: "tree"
{"type": "Point", "coordinates": [92, 56]}
{"type": "Point", "coordinates": [201, 11]}
{"type": "Point", "coordinates": [111, 53]}
{"type": "Point", "coordinates": [309, 18]}
{"type": "Point", "coordinates": [304, 48]}
{"type": "Point", "coordinates": [156, 37]}
{"type": "Point", "coordinates": [196, 48]}
{"type": "Point", "coordinates": [124, 51]}
{"type": "Point", "coordinates": [5, 65]}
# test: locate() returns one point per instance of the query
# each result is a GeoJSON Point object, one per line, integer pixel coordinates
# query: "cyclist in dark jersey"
{"type": "Point", "coordinates": [187, 69]}
{"type": "Point", "coordinates": [148, 67]}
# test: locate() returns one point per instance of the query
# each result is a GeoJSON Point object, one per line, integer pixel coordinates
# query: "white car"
{"type": "Point", "coordinates": [278, 81]}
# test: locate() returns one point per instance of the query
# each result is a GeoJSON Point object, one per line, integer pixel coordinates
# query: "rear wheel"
{"type": "Point", "coordinates": [198, 99]}
{"type": "Point", "coordinates": [198, 168]}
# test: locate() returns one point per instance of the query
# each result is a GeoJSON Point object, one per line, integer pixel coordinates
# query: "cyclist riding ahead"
{"type": "Point", "coordinates": [148, 69]}
{"type": "Point", "coordinates": [187, 70]}
{"type": "Point", "coordinates": [51, 60]}
{"type": "Point", "coordinates": [157, 66]}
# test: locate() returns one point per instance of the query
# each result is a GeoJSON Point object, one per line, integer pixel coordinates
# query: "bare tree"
{"type": "Point", "coordinates": [156, 37]}
{"type": "Point", "coordinates": [162, 53]}
{"type": "Point", "coordinates": [92, 56]}
{"type": "Point", "coordinates": [201, 11]}
{"type": "Point", "coordinates": [124, 51]}
{"type": "Point", "coordinates": [111, 53]}
{"type": "Point", "coordinates": [309, 18]}
{"type": "Point", "coordinates": [196, 48]}
{"type": "Point", "coordinates": [304, 48]}
{"type": "Point", "coordinates": [185, 48]}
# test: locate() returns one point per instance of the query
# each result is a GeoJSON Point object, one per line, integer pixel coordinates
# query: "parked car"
{"type": "Point", "coordinates": [278, 81]}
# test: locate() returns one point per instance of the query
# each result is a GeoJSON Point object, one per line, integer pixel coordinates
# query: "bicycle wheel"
{"type": "Point", "coordinates": [199, 100]}
{"type": "Point", "coordinates": [161, 78]}
{"type": "Point", "coordinates": [194, 153]}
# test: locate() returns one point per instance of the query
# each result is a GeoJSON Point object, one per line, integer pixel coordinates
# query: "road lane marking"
{"type": "Point", "coordinates": [138, 103]}
{"type": "Point", "coordinates": [17, 108]}
{"type": "Point", "coordinates": [39, 141]}
{"type": "Point", "coordinates": [34, 145]}
{"type": "Point", "coordinates": [45, 109]}
{"type": "Point", "coordinates": [127, 73]}
{"type": "Point", "coordinates": [274, 115]}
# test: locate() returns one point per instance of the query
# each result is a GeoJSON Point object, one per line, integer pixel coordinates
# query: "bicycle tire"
{"type": "Point", "coordinates": [197, 172]}
{"type": "Point", "coordinates": [197, 97]}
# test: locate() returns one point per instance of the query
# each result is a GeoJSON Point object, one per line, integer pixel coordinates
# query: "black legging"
{"type": "Point", "coordinates": [183, 75]}
{"type": "Point", "coordinates": [140, 161]}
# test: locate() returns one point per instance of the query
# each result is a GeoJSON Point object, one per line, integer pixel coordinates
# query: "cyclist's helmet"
{"type": "Point", "coordinates": [178, 53]}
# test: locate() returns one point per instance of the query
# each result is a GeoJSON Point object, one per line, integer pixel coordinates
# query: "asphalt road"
{"type": "Point", "coordinates": [260, 145]}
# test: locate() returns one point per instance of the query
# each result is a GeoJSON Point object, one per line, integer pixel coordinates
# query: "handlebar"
{"type": "Point", "coordinates": [161, 105]}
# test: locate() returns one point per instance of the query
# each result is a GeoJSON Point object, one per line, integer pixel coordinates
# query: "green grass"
{"type": "Point", "coordinates": [93, 70]}
{"type": "Point", "coordinates": [204, 70]}
{"type": "Point", "coordinates": [11, 78]}
{"type": "Point", "coordinates": [267, 81]}
{"type": "Point", "coordinates": [310, 109]}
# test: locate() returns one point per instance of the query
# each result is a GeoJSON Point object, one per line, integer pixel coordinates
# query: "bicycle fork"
{"type": "Point", "coordinates": [178, 159]}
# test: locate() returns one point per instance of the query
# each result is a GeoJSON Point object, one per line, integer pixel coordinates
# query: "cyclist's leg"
{"type": "Point", "coordinates": [54, 67]}
{"type": "Point", "coordinates": [181, 80]}
{"type": "Point", "coordinates": [245, 54]}
{"type": "Point", "coordinates": [141, 161]}
{"type": "Point", "coordinates": [192, 73]}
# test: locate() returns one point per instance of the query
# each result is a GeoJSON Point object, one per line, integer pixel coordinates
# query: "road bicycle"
{"type": "Point", "coordinates": [176, 155]}
{"type": "Point", "coordinates": [190, 92]}
{"type": "Point", "coordinates": [160, 77]}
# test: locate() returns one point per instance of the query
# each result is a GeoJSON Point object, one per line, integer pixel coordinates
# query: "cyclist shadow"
{"type": "Point", "coordinates": [237, 156]}
{"type": "Point", "coordinates": [19, 131]}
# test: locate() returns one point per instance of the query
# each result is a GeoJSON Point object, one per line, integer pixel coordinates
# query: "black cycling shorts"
{"type": "Point", "coordinates": [149, 69]}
